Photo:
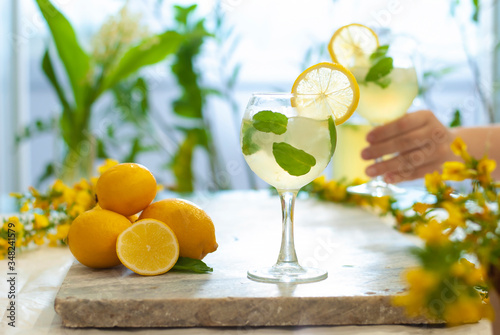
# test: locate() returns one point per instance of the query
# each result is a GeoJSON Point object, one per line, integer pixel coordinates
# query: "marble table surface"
{"type": "Point", "coordinates": [363, 254]}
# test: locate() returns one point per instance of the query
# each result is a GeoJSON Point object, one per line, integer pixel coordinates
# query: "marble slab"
{"type": "Point", "coordinates": [363, 254]}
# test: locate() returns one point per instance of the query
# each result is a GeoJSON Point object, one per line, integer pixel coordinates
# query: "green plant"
{"type": "Point", "coordinates": [189, 106]}
{"type": "Point", "coordinates": [117, 56]}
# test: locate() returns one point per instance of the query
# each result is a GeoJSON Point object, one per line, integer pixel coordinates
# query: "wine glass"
{"type": "Point", "coordinates": [287, 146]}
{"type": "Point", "coordinates": [380, 104]}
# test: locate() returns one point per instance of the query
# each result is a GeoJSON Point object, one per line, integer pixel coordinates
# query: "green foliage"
{"type": "Point", "coordinates": [186, 264]}
{"type": "Point", "coordinates": [75, 60]}
{"type": "Point", "coordinates": [190, 103]}
{"type": "Point", "coordinates": [150, 51]}
{"type": "Point", "coordinates": [89, 81]}
{"type": "Point", "coordinates": [457, 119]}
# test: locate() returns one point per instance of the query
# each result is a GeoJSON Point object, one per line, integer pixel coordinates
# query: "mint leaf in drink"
{"type": "Point", "coordinates": [381, 52]}
{"type": "Point", "coordinates": [333, 133]}
{"type": "Point", "coordinates": [294, 161]}
{"type": "Point", "coordinates": [248, 146]}
{"type": "Point", "coordinates": [187, 264]}
{"type": "Point", "coordinates": [270, 122]}
{"type": "Point", "coordinates": [379, 70]}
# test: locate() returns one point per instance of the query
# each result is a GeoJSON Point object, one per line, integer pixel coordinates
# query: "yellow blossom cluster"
{"type": "Point", "coordinates": [46, 217]}
{"type": "Point", "coordinates": [455, 227]}
{"type": "Point", "coordinates": [336, 191]}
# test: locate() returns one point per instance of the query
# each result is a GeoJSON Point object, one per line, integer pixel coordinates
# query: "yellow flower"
{"type": "Point", "coordinates": [485, 167]}
{"type": "Point", "coordinates": [42, 204]}
{"type": "Point", "coordinates": [456, 171]}
{"type": "Point", "coordinates": [107, 164]}
{"type": "Point", "coordinates": [421, 282]}
{"type": "Point", "coordinates": [62, 231]}
{"type": "Point", "coordinates": [39, 238]}
{"type": "Point", "coordinates": [459, 148]}
{"type": "Point", "coordinates": [455, 216]}
{"type": "Point", "coordinates": [93, 181]}
{"type": "Point", "coordinates": [83, 184]}
{"type": "Point", "coordinates": [25, 207]}
{"type": "Point", "coordinates": [4, 244]}
{"type": "Point", "coordinates": [76, 210]}
{"type": "Point", "coordinates": [319, 183]}
{"type": "Point", "coordinates": [464, 309]}
{"type": "Point", "coordinates": [384, 203]}
{"type": "Point", "coordinates": [421, 208]}
{"type": "Point", "coordinates": [69, 196]}
{"type": "Point", "coordinates": [34, 192]}
{"type": "Point", "coordinates": [18, 226]}
{"type": "Point", "coordinates": [434, 182]}
{"type": "Point", "coordinates": [41, 221]}
{"type": "Point", "coordinates": [52, 240]}
{"type": "Point", "coordinates": [335, 191]}
{"type": "Point", "coordinates": [16, 195]}
{"type": "Point", "coordinates": [432, 233]}
{"type": "Point", "coordinates": [84, 199]}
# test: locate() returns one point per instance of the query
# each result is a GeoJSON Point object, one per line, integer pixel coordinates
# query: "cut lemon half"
{"type": "Point", "coordinates": [332, 86]}
{"type": "Point", "coordinates": [148, 247]}
{"type": "Point", "coordinates": [352, 45]}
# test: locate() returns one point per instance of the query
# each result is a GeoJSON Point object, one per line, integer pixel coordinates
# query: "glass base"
{"type": "Point", "coordinates": [376, 188]}
{"type": "Point", "coordinates": [287, 273]}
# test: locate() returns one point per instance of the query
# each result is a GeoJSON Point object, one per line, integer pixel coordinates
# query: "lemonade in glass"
{"type": "Point", "coordinates": [387, 81]}
{"type": "Point", "coordinates": [288, 139]}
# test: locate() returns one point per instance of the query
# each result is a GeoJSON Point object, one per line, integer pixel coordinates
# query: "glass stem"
{"type": "Point", "coordinates": [287, 254]}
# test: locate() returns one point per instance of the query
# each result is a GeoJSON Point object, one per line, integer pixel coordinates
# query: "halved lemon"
{"type": "Point", "coordinates": [331, 85]}
{"type": "Point", "coordinates": [148, 247]}
{"type": "Point", "coordinates": [352, 45]}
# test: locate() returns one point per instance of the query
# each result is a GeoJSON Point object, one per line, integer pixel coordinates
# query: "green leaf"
{"type": "Point", "coordinates": [475, 14]}
{"type": "Point", "coordinates": [75, 60]}
{"type": "Point", "coordinates": [270, 122]}
{"type": "Point", "coordinates": [182, 160]}
{"type": "Point", "coordinates": [457, 119]}
{"type": "Point", "coordinates": [381, 52]}
{"type": "Point", "coordinates": [294, 161]}
{"type": "Point", "coordinates": [182, 13]}
{"type": "Point", "coordinates": [186, 264]}
{"type": "Point", "coordinates": [248, 146]}
{"type": "Point", "coordinates": [47, 173]}
{"type": "Point", "coordinates": [379, 70]}
{"type": "Point", "coordinates": [48, 69]}
{"type": "Point", "coordinates": [333, 133]}
{"type": "Point", "coordinates": [150, 51]}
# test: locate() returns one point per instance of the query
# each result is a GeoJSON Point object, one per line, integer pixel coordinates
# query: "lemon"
{"type": "Point", "coordinates": [126, 188]}
{"type": "Point", "coordinates": [193, 227]}
{"type": "Point", "coordinates": [330, 84]}
{"type": "Point", "coordinates": [92, 237]}
{"type": "Point", "coordinates": [148, 247]}
{"type": "Point", "coordinates": [352, 45]}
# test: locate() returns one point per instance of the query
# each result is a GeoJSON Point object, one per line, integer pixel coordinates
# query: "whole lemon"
{"type": "Point", "coordinates": [193, 227]}
{"type": "Point", "coordinates": [126, 188]}
{"type": "Point", "coordinates": [92, 237]}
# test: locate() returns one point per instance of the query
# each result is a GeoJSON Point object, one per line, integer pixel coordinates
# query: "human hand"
{"type": "Point", "coordinates": [418, 141]}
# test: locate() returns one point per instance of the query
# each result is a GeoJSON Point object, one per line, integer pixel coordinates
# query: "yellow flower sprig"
{"type": "Point", "coordinates": [461, 235]}
{"type": "Point", "coordinates": [46, 217]}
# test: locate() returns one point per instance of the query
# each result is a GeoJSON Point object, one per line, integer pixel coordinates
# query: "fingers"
{"type": "Point", "coordinates": [402, 125]}
{"type": "Point", "coordinates": [404, 143]}
{"type": "Point", "coordinates": [412, 164]}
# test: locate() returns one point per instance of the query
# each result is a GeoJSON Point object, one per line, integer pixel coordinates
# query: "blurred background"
{"type": "Point", "coordinates": [178, 112]}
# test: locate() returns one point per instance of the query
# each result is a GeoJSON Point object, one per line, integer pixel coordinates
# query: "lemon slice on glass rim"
{"type": "Point", "coordinates": [352, 45]}
{"type": "Point", "coordinates": [332, 86]}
